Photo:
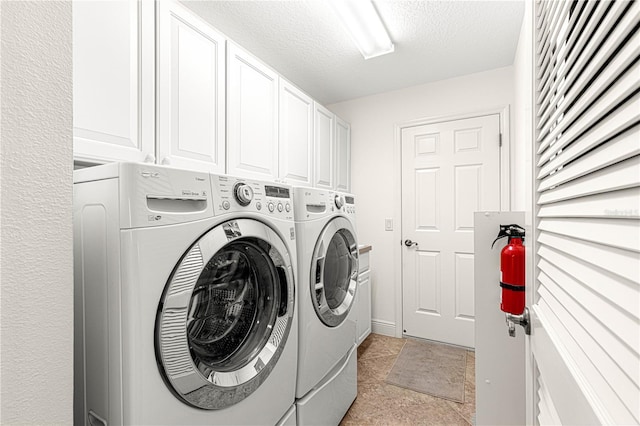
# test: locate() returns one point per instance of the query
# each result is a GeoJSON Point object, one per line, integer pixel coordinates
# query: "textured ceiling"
{"type": "Point", "coordinates": [305, 42]}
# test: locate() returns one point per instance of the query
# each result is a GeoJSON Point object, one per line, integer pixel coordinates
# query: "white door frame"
{"type": "Point", "coordinates": [505, 182]}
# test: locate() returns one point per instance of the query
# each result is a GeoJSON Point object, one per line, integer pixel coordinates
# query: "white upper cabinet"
{"type": "Point", "coordinates": [191, 91]}
{"type": "Point", "coordinates": [324, 145]}
{"type": "Point", "coordinates": [343, 155]}
{"type": "Point", "coordinates": [113, 80]}
{"type": "Point", "coordinates": [296, 135]}
{"type": "Point", "coordinates": [214, 107]}
{"type": "Point", "coordinates": [252, 116]}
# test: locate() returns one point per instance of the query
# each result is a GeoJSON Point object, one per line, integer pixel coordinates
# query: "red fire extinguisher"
{"type": "Point", "coordinates": [512, 261]}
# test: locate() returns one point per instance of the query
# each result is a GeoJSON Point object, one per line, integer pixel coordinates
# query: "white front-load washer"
{"type": "Point", "coordinates": [184, 298]}
{"type": "Point", "coordinates": [328, 276]}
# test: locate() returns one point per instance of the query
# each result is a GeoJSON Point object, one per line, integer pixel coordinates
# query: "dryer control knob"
{"type": "Point", "coordinates": [243, 193]}
{"type": "Point", "coordinates": [339, 201]}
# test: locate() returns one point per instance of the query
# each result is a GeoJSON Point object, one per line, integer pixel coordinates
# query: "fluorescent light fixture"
{"type": "Point", "coordinates": [365, 26]}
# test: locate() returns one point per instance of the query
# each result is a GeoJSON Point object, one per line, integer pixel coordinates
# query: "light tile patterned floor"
{"type": "Point", "coordinates": [379, 403]}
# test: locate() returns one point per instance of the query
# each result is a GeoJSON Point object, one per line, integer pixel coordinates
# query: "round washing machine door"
{"type": "Point", "coordinates": [334, 272]}
{"type": "Point", "coordinates": [225, 314]}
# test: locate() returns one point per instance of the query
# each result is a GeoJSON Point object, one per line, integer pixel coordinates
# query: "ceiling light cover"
{"type": "Point", "coordinates": [361, 20]}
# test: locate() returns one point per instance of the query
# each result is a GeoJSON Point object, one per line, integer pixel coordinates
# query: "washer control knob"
{"type": "Point", "coordinates": [280, 207]}
{"type": "Point", "coordinates": [287, 207]}
{"type": "Point", "coordinates": [271, 207]}
{"type": "Point", "coordinates": [226, 205]}
{"type": "Point", "coordinates": [339, 201]}
{"type": "Point", "coordinates": [259, 205]}
{"type": "Point", "coordinates": [243, 193]}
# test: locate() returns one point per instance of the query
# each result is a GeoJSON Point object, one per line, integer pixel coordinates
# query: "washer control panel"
{"type": "Point", "coordinates": [312, 203]}
{"type": "Point", "coordinates": [243, 193]}
{"type": "Point", "coordinates": [231, 194]}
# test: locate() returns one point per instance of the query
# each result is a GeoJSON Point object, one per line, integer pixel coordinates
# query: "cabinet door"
{"type": "Point", "coordinates": [252, 116]}
{"type": "Point", "coordinates": [191, 91]}
{"type": "Point", "coordinates": [364, 306]}
{"type": "Point", "coordinates": [324, 122]}
{"type": "Point", "coordinates": [343, 155]}
{"type": "Point", "coordinates": [296, 135]}
{"type": "Point", "coordinates": [113, 80]}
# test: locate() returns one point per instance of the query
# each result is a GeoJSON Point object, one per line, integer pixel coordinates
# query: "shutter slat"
{"type": "Point", "coordinates": [629, 53]}
{"type": "Point", "coordinates": [607, 232]}
{"type": "Point", "coordinates": [602, 376]}
{"type": "Point", "coordinates": [600, 108]}
{"type": "Point", "coordinates": [625, 117]}
{"type": "Point", "coordinates": [612, 289]}
{"type": "Point", "coordinates": [616, 330]}
{"type": "Point", "coordinates": [548, 60]}
{"type": "Point", "coordinates": [581, 35]}
{"type": "Point", "coordinates": [623, 263]}
{"type": "Point", "coordinates": [619, 176]}
{"type": "Point", "coordinates": [555, 33]}
{"type": "Point", "coordinates": [579, 55]}
{"type": "Point", "coordinates": [548, 413]}
{"type": "Point", "coordinates": [623, 146]}
{"type": "Point", "coordinates": [560, 321]}
{"type": "Point", "coordinates": [545, 22]}
{"type": "Point", "coordinates": [621, 204]}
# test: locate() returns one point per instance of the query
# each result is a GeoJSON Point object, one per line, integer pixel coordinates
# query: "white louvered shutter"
{"type": "Point", "coordinates": [587, 277]}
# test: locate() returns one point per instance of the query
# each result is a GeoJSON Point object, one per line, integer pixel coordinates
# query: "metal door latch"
{"type": "Point", "coordinates": [410, 243]}
{"type": "Point", "coordinates": [522, 320]}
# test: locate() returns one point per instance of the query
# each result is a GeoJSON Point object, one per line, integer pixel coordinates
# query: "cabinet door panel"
{"type": "Point", "coordinates": [343, 155]}
{"type": "Point", "coordinates": [252, 116]}
{"type": "Point", "coordinates": [191, 91]}
{"type": "Point", "coordinates": [296, 135]}
{"type": "Point", "coordinates": [324, 147]}
{"type": "Point", "coordinates": [364, 305]}
{"type": "Point", "coordinates": [113, 80]}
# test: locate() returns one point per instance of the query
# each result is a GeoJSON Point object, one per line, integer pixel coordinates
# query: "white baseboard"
{"type": "Point", "coordinates": [386, 328]}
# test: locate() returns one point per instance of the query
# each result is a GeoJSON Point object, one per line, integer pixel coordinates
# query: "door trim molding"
{"type": "Point", "coordinates": [503, 111]}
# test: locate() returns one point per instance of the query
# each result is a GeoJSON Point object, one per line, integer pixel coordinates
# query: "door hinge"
{"type": "Point", "coordinates": [500, 140]}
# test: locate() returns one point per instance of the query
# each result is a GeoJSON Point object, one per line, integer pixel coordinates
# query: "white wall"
{"type": "Point", "coordinates": [372, 121]}
{"type": "Point", "coordinates": [36, 300]}
{"type": "Point", "coordinates": [522, 143]}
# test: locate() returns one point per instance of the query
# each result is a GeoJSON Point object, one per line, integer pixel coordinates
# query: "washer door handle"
{"type": "Point", "coordinates": [284, 291]}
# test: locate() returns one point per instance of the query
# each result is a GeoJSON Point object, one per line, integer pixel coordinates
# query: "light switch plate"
{"type": "Point", "coordinates": [388, 224]}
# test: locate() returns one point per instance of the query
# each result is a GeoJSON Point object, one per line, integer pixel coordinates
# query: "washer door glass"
{"type": "Point", "coordinates": [226, 313]}
{"type": "Point", "coordinates": [334, 272]}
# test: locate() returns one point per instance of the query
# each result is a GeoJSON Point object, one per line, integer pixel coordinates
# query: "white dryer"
{"type": "Point", "coordinates": [328, 276]}
{"type": "Point", "coordinates": [184, 298]}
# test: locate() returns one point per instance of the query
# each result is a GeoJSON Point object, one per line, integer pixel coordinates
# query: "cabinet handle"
{"type": "Point", "coordinates": [166, 161]}
{"type": "Point", "coordinates": [150, 158]}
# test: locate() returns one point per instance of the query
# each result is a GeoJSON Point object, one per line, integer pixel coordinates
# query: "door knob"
{"type": "Point", "coordinates": [410, 243]}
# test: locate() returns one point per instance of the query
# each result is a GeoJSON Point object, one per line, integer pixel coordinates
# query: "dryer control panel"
{"type": "Point", "coordinates": [232, 194]}
{"type": "Point", "coordinates": [313, 203]}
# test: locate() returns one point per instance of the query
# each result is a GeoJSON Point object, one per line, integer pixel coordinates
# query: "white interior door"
{"type": "Point", "coordinates": [449, 170]}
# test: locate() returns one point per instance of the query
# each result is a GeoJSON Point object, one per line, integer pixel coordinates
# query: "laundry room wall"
{"type": "Point", "coordinates": [36, 300]}
{"type": "Point", "coordinates": [522, 144]}
{"type": "Point", "coordinates": [373, 120]}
